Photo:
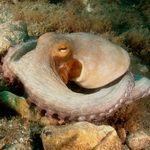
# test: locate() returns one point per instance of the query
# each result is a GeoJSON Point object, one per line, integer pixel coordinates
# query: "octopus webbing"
{"type": "Point", "coordinates": [100, 66]}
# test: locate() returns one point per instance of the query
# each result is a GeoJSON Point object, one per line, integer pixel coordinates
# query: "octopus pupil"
{"type": "Point", "coordinates": [62, 49]}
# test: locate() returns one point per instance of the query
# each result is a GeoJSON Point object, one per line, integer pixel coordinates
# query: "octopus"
{"type": "Point", "coordinates": [101, 68]}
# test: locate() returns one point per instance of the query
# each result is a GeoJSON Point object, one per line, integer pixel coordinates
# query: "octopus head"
{"type": "Point", "coordinates": [62, 50]}
{"type": "Point", "coordinates": [66, 66]}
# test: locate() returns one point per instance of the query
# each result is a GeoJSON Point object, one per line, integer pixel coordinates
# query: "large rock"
{"type": "Point", "coordinates": [80, 136]}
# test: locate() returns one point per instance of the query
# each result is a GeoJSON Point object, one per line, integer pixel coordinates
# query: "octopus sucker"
{"type": "Point", "coordinates": [99, 64]}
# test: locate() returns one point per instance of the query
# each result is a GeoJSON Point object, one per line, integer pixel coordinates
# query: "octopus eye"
{"type": "Point", "coordinates": [62, 49]}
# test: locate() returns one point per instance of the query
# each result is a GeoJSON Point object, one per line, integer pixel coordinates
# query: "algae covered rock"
{"type": "Point", "coordinates": [81, 135]}
{"type": "Point", "coordinates": [19, 104]}
{"type": "Point", "coordinates": [138, 140]}
{"type": "Point", "coordinates": [3, 83]}
{"type": "Point", "coordinates": [14, 134]}
{"type": "Point", "coordinates": [5, 13]}
{"type": "Point", "coordinates": [12, 33]}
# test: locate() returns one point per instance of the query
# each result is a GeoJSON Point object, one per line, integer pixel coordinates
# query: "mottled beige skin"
{"type": "Point", "coordinates": [102, 62]}
{"type": "Point", "coordinates": [44, 87]}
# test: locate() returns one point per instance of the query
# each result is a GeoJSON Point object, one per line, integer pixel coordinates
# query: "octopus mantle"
{"type": "Point", "coordinates": [45, 89]}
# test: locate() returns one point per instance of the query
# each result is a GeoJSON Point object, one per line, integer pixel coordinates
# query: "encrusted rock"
{"type": "Point", "coordinates": [137, 67]}
{"type": "Point", "coordinates": [81, 135]}
{"type": "Point", "coordinates": [5, 13]}
{"type": "Point", "coordinates": [15, 1]}
{"type": "Point", "coordinates": [14, 134]}
{"type": "Point", "coordinates": [12, 33]}
{"type": "Point", "coordinates": [18, 146]}
{"type": "Point", "coordinates": [122, 134]}
{"type": "Point", "coordinates": [3, 83]}
{"type": "Point", "coordinates": [20, 105]}
{"type": "Point", "coordinates": [87, 5]}
{"type": "Point", "coordinates": [125, 147]}
{"type": "Point", "coordinates": [138, 140]}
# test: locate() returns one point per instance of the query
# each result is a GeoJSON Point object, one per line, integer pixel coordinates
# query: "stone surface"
{"type": "Point", "coordinates": [12, 33]}
{"type": "Point", "coordinates": [137, 67]}
{"type": "Point", "coordinates": [18, 146]}
{"type": "Point", "coordinates": [122, 134]}
{"type": "Point", "coordinates": [125, 147]}
{"type": "Point", "coordinates": [88, 6]}
{"type": "Point", "coordinates": [138, 140]}
{"type": "Point", "coordinates": [20, 105]}
{"type": "Point", "coordinates": [5, 13]}
{"type": "Point", "coordinates": [80, 136]}
{"type": "Point", "coordinates": [14, 134]}
{"type": "Point", "coordinates": [3, 83]}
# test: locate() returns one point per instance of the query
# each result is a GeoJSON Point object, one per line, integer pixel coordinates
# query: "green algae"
{"type": "Point", "coordinates": [11, 99]}
{"type": "Point", "coordinates": [16, 103]}
{"type": "Point", "coordinates": [3, 84]}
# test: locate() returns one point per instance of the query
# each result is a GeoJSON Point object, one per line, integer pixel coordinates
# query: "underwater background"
{"type": "Point", "coordinates": [124, 22]}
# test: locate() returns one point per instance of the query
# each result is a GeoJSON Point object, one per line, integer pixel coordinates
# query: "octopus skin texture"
{"type": "Point", "coordinates": [104, 69]}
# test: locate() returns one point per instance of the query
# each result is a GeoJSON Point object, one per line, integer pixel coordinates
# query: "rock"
{"type": "Point", "coordinates": [138, 140]}
{"type": "Point", "coordinates": [122, 134]}
{"type": "Point", "coordinates": [125, 147]}
{"type": "Point", "coordinates": [19, 104]}
{"type": "Point", "coordinates": [14, 134]}
{"type": "Point", "coordinates": [138, 68]}
{"type": "Point", "coordinates": [5, 13]}
{"type": "Point", "coordinates": [3, 83]}
{"type": "Point", "coordinates": [17, 146]}
{"type": "Point", "coordinates": [15, 1]}
{"type": "Point", "coordinates": [143, 69]}
{"type": "Point", "coordinates": [87, 6]}
{"type": "Point", "coordinates": [49, 121]}
{"type": "Point", "coordinates": [81, 135]}
{"type": "Point", "coordinates": [12, 33]}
